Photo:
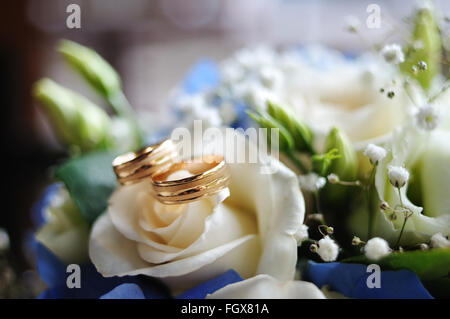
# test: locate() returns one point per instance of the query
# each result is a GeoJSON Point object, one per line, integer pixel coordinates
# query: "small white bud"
{"type": "Point", "coordinates": [356, 241]}
{"type": "Point", "coordinates": [328, 249]}
{"type": "Point", "coordinates": [438, 241]}
{"type": "Point", "coordinates": [393, 53]}
{"type": "Point", "coordinates": [423, 246]}
{"type": "Point", "coordinates": [422, 65]}
{"type": "Point", "coordinates": [376, 248]}
{"type": "Point", "coordinates": [311, 182]}
{"type": "Point", "coordinates": [333, 178]}
{"type": "Point", "coordinates": [384, 205]}
{"type": "Point", "coordinates": [398, 176]}
{"type": "Point", "coordinates": [375, 153]}
{"type": "Point", "coordinates": [427, 118]}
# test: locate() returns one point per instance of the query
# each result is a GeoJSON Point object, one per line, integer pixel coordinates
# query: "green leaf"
{"type": "Point", "coordinates": [264, 120]}
{"type": "Point", "coordinates": [427, 264]}
{"type": "Point", "coordinates": [301, 132]}
{"type": "Point", "coordinates": [90, 181]}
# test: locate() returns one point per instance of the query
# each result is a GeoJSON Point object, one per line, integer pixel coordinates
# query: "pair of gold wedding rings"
{"type": "Point", "coordinates": [209, 174]}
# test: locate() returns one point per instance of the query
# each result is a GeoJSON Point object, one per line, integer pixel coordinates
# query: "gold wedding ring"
{"type": "Point", "coordinates": [210, 174]}
{"type": "Point", "coordinates": [132, 167]}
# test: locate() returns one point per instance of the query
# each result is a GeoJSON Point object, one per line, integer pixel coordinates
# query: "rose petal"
{"type": "Point", "coordinates": [115, 255]}
{"type": "Point", "coordinates": [267, 287]}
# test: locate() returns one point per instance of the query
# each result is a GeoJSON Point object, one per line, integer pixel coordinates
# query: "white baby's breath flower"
{"type": "Point", "coordinates": [254, 94]}
{"type": "Point", "coordinates": [398, 176]}
{"type": "Point", "coordinates": [438, 241]}
{"type": "Point", "coordinates": [427, 117]}
{"type": "Point", "coordinates": [328, 249]}
{"type": "Point", "coordinates": [393, 53]}
{"type": "Point", "coordinates": [352, 23]}
{"type": "Point", "coordinates": [191, 104]}
{"type": "Point", "coordinates": [376, 248]}
{"type": "Point", "coordinates": [311, 182]}
{"type": "Point", "coordinates": [195, 108]}
{"type": "Point", "coordinates": [271, 77]}
{"type": "Point", "coordinates": [231, 71]}
{"type": "Point", "coordinates": [375, 153]}
{"type": "Point", "coordinates": [333, 178]}
{"type": "Point", "coordinates": [301, 234]}
{"type": "Point", "coordinates": [227, 113]}
{"type": "Point", "coordinates": [210, 117]}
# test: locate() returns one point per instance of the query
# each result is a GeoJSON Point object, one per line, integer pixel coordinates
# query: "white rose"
{"type": "Point", "coordinates": [65, 232]}
{"type": "Point", "coordinates": [347, 95]}
{"type": "Point", "coordinates": [267, 287]}
{"type": "Point", "coordinates": [252, 229]}
{"type": "Point", "coordinates": [426, 155]}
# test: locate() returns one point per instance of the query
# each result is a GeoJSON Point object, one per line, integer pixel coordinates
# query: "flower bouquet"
{"type": "Point", "coordinates": [294, 173]}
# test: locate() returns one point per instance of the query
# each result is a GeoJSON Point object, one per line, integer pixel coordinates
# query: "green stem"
{"type": "Point", "coordinates": [369, 202]}
{"type": "Point", "coordinates": [400, 196]}
{"type": "Point", "coordinates": [404, 221]}
{"type": "Point", "coordinates": [120, 105]}
{"type": "Point", "coordinates": [401, 231]}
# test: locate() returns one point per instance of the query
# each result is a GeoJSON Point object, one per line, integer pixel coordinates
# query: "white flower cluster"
{"type": "Point", "coordinates": [427, 118]}
{"type": "Point", "coordinates": [195, 107]}
{"type": "Point", "coordinates": [328, 250]}
{"type": "Point", "coordinates": [439, 241]}
{"type": "Point", "coordinates": [251, 75]}
{"type": "Point", "coordinates": [393, 53]}
{"type": "Point", "coordinates": [375, 153]}
{"type": "Point", "coordinates": [376, 248]}
{"type": "Point", "coordinates": [398, 176]}
{"type": "Point", "coordinates": [311, 182]}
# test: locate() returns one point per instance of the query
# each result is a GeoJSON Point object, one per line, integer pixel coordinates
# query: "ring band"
{"type": "Point", "coordinates": [210, 176]}
{"type": "Point", "coordinates": [132, 167]}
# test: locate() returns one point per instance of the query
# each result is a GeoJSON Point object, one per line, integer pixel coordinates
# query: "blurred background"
{"type": "Point", "coordinates": [152, 43]}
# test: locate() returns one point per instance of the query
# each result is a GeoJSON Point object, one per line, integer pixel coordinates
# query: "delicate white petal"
{"type": "Point", "coordinates": [267, 287]}
{"type": "Point", "coordinates": [426, 152]}
{"type": "Point", "coordinates": [428, 118]}
{"type": "Point", "coordinates": [375, 153]}
{"type": "Point", "coordinates": [328, 250]}
{"type": "Point", "coordinates": [115, 255]}
{"type": "Point", "coordinates": [376, 248]}
{"type": "Point", "coordinates": [439, 241]}
{"type": "Point", "coordinates": [393, 53]}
